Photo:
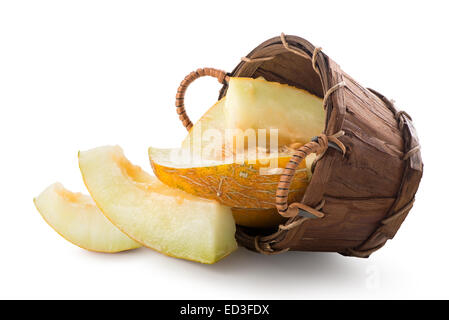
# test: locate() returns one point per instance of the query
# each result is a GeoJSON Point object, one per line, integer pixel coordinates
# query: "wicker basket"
{"type": "Point", "coordinates": [369, 165]}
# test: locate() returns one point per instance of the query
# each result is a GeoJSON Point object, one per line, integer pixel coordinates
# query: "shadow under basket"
{"type": "Point", "coordinates": [358, 197]}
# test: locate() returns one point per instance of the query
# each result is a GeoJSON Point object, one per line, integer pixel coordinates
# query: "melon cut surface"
{"type": "Point", "coordinates": [259, 104]}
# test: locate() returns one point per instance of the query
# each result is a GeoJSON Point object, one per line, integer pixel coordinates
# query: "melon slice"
{"type": "Point", "coordinates": [211, 122]}
{"type": "Point", "coordinates": [260, 104]}
{"type": "Point", "coordinates": [76, 218]}
{"type": "Point", "coordinates": [167, 220]}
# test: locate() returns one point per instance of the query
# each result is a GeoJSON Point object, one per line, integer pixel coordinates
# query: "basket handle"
{"type": "Point", "coordinates": [221, 76]}
{"type": "Point", "coordinates": [318, 145]}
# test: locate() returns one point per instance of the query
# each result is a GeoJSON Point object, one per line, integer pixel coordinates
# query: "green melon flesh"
{"type": "Point", "coordinates": [76, 218]}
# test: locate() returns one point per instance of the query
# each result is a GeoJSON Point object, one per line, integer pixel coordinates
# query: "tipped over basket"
{"type": "Point", "coordinates": [368, 167]}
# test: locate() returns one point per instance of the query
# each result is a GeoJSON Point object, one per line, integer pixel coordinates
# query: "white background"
{"type": "Point", "coordinates": [80, 74]}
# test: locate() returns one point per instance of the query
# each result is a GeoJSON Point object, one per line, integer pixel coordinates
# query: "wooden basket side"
{"type": "Point", "coordinates": [367, 193]}
{"type": "Point", "coordinates": [412, 173]}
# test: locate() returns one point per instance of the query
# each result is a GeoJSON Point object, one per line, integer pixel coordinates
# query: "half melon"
{"type": "Point", "coordinates": [249, 184]}
{"type": "Point", "coordinates": [211, 166]}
